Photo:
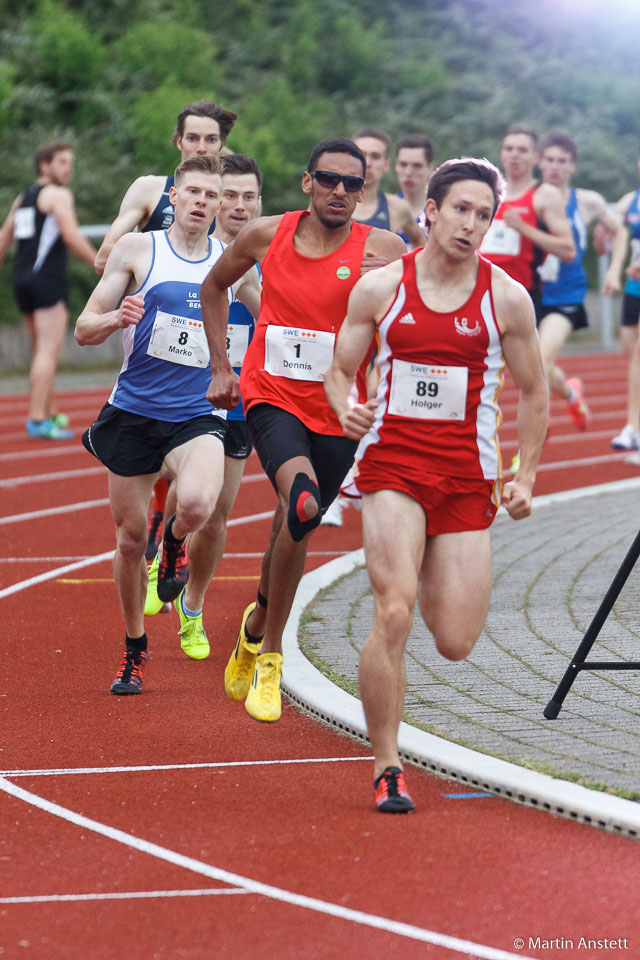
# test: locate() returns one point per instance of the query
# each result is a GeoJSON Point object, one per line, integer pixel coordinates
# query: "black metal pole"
{"type": "Point", "coordinates": [552, 709]}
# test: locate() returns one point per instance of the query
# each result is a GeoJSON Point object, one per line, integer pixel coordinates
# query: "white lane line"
{"type": "Point", "coordinates": [134, 895]}
{"type": "Point", "coordinates": [108, 555]}
{"type": "Point", "coordinates": [86, 472]}
{"type": "Point", "coordinates": [104, 501]}
{"type": "Point", "coordinates": [54, 511]}
{"type": "Point", "coordinates": [52, 574]}
{"type": "Point", "coordinates": [583, 462]}
{"type": "Point", "coordinates": [226, 556]}
{"type": "Point", "coordinates": [44, 451]}
{"type": "Point", "coordinates": [45, 477]}
{"type": "Point", "coordinates": [155, 768]}
{"type": "Point", "coordinates": [465, 947]}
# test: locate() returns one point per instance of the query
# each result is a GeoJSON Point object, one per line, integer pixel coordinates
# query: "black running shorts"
{"type": "Point", "coordinates": [237, 442]}
{"type": "Point", "coordinates": [575, 313]}
{"type": "Point", "coordinates": [278, 436]}
{"type": "Point", "coordinates": [630, 310]}
{"type": "Point", "coordinates": [40, 292]}
{"type": "Point", "coordinates": [133, 446]}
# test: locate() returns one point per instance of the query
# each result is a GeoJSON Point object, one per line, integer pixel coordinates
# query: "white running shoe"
{"type": "Point", "coordinates": [333, 514]}
{"type": "Point", "coordinates": [627, 439]}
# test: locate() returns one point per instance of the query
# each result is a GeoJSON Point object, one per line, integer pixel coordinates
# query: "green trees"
{"type": "Point", "coordinates": [111, 76]}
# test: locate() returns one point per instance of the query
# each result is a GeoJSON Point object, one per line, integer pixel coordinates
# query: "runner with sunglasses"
{"type": "Point", "coordinates": [310, 261]}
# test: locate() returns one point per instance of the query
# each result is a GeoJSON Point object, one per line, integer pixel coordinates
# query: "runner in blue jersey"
{"type": "Point", "coordinates": [564, 284]}
{"type": "Point", "coordinates": [157, 416]}
{"type": "Point", "coordinates": [628, 208]}
{"type": "Point", "coordinates": [201, 130]}
{"type": "Point", "coordinates": [240, 201]}
{"type": "Point", "coordinates": [379, 209]}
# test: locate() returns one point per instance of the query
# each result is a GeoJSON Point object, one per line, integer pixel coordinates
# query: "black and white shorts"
{"type": "Point", "coordinates": [133, 446]}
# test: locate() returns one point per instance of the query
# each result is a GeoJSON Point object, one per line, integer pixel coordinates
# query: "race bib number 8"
{"type": "Point", "coordinates": [501, 239]}
{"type": "Point", "coordinates": [179, 340]}
{"type": "Point", "coordinates": [428, 392]}
{"type": "Point", "coordinates": [237, 343]}
{"type": "Point", "coordinates": [297, 353]}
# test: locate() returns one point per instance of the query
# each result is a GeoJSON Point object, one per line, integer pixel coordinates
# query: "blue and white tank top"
{"type": "Point", "coordinates": [566, 283]}
{"type": "Point", "coordinates": [165, 374]}
{"type": "Point", "coordinates": [632, 218]}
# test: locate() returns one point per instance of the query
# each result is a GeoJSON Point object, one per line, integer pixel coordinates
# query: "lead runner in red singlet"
{"type": "Point", "coordinates": [428, 464]}
{"type": "Point", "coordinates": [310, 261]}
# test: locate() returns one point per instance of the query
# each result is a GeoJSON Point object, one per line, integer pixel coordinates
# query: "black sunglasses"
{"type": "Point", "coordinates": [330, 180]}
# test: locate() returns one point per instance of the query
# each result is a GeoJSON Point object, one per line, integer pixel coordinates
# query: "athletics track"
{"type": "Point", "coordinates": [171, 825]}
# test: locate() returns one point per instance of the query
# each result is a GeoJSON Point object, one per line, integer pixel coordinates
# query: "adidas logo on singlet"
{"type": "Point", "coordinates": [407, 318]}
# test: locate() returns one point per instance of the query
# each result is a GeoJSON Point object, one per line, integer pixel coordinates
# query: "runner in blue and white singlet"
{"type": "Point", "coordinates": [165, 373]}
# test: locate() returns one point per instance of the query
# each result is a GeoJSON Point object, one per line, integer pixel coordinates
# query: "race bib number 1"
{"type": "Point", "coordinates": [501, 239]}
{"type": "Point", "coordinates": [426, 392]}
{"type": "Point", "coordinates": [179, 340]}
{"type": "Point", "coordinates": [297, 353]}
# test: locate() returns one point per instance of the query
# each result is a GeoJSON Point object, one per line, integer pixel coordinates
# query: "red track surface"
{"type": "Point", "coordinates": [478, 869]}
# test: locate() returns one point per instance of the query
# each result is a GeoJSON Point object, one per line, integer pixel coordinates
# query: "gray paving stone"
{"type": "Point", "coordinates": [550, 574]}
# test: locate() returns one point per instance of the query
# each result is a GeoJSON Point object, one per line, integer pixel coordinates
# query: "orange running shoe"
{"type": "Point", "coordinates": [391, 794]}
{"type": "Point", "coordinates": [577, 408]}
{"type": "Point", "coordinates": [128, 679]}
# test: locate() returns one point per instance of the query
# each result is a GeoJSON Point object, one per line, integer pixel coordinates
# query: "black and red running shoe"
{"type": "Point", "coordinates": [391, 794]}
{"type": "Point", "coordinates": [129, 676]}
{"type": "Point", "coordinates": [173, 571]}
{"type": "Point", "coordinates": [154, 534]}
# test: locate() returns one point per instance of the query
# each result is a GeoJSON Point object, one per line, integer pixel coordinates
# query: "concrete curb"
{"type": "Point", "coordinates": [306, 686]}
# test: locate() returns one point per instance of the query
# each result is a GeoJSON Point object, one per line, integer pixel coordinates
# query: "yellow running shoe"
{"type": "Point", "coordinates": [263, 700]}
{"type": "Point", "coordinates": [239, 669]}
{"type": "Point", "coordinates": [193, 639]}
{"type": "Point", "coordinates": [515, 464]}
{"type": "Point", "coordinates": [153, 604]}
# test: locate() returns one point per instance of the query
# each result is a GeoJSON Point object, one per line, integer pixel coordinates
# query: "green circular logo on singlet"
{"type": "Point", "coordinates": [343, 273]}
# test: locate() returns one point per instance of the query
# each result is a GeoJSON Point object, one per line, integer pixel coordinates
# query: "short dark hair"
{"type": "Point", "coordinates": [465, 168]}
{"type": "Point", "coordinates": [205, 108]}
{"type": "Point", "coordinates": [558, 138]}
{"type": "Point", "coordinates": [241, 164]}
{"type": "Point", "coordinates": [525, 129]}
{"type": "Point", "coordinates": [197, 165]}
{"type": "Point", "coordinates": [377, 135]}
{"type": "Point", "coordinates": [336, 145]}
{"type": "Point", "coordinates": [47, 151]}
{"type": "Point", "coordinates": [416, 141]}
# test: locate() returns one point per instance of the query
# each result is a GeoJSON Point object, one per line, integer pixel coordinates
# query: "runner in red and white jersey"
{"type": "Point", "coordinates": [449, 419]}
{"type": "Point", "coordinates": [429, 465]}
{"type": "Point", "coordinates": [310, 262]}
{"type": "Point", "coordinates": [530, 221]}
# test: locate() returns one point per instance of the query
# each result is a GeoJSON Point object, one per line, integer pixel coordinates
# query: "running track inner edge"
{"type": "Point", "coordinates": [311, 690]}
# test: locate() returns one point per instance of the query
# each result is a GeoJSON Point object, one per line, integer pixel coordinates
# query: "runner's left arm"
{"type": "Point", "coordinates": [521, 350]}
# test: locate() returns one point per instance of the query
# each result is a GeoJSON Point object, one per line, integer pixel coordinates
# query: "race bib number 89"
{"type": "Point", "coordinates": [428, 392]}
{"type": "Point", "coordinates": [297, 353]}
